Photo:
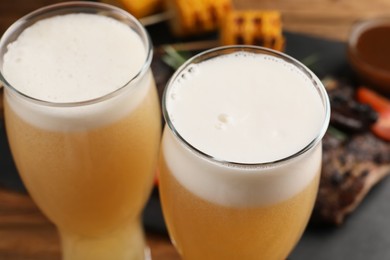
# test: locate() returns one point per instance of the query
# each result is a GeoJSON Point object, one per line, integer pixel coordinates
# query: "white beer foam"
{"type": "Point", "coordinates": [239, 186]}
{"type": "Point", "coordinates": [81, 118]}
{"type": "Point", "coordinates": [243, 108]}
{"type": "Point", "coordinates": [75, 58]}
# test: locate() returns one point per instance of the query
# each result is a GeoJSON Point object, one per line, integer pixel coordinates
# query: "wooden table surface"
{"type": "Point", "coordinates": [26, 234]}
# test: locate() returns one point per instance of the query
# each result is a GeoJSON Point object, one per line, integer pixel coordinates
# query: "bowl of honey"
{"type": "Point", "coordinates": [369, 52]}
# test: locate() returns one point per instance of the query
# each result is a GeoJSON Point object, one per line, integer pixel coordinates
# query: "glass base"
{"type": "Point", "coordinates": [127, 243]}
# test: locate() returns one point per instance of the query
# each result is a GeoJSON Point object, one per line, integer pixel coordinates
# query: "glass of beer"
{"type": "Point", "coordinates": [241, 153]}
{"type": "Point", "coordinates": [83, 122]}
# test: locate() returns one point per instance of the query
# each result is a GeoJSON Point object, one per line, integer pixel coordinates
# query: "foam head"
{"type": "Point", "coordinates": [74, 58]}
{"type": "Point", "coordinates": [244, 127]}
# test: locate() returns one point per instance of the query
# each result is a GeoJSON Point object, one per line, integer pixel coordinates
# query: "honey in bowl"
{"type": "Point", "coordinates": [369, 52]}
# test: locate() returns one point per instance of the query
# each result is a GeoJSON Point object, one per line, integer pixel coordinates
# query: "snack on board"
{"type": "Point", "coordinates": [353, 160]}
{"type": "Point", "coordinates": [262, 28]}
{"type": "Point", "coordinates": [382, 106]}
{"type": "Point", "coordinates": [350, 170]}
{"type": "Point", "coordinates": [192, 17]}
{"type": "Point", "coordinates": [138, 8]}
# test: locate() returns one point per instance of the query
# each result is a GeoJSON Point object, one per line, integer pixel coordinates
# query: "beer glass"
{"type": "Point", "coordinates": [241, 153]}
{"type": "Point", "coordinates": [86, 153]}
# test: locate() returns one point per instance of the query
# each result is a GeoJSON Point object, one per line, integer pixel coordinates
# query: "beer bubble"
{"type": "Point", "coordinates": [171, 117]}
{"type": "Point", "coordinates": [192, 69]}
{"type": "Point", "coordinates": [220, 126]}
{"type": "Point", "coordinates": [174, 96]}
{"type": "Point", "coordinates": [225, 119]}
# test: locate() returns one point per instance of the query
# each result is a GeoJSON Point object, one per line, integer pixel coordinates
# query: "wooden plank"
{"type": "Point", "coordinates": [26, 234]}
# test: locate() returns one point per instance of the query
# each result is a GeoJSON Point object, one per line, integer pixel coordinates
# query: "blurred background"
{"type": "Point", "coordinates": [325, 18]}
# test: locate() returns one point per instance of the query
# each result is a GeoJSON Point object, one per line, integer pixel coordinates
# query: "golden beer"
{"type": "Point", "coordinates": [87, 156]}
{"type": "Point", "coordinates": [240, 156]}
{"type": "Point", "coordinates": [91, 183]}
{"type": "Point", "coordinates": [233, 233]}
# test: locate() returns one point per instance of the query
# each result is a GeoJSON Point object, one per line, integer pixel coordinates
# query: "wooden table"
{"type": "Point", "coordinates": [26, 234]}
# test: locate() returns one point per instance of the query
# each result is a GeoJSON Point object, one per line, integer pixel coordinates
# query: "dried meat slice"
{"type": "Point", "coordinates": [354, 161]}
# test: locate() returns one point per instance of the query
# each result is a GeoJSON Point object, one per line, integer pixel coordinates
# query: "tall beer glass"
{"type": "Point", "coordinates": [241, 153]}
{"type": "Point", "coordinates": [83, 121]}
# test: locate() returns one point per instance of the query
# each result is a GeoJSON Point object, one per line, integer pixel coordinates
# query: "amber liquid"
{"type": "Point", "coordinates": [203, 230]}
{"type": "Point", "coordinates": [92, 184]}
{"type": "Point", "coordinates": [373, 47]}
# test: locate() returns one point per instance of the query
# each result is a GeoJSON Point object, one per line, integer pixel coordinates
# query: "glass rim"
{"type": "Point", "coordinates": [68, 8]}
{"type": "Point", "coordinates": [205, 55]}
